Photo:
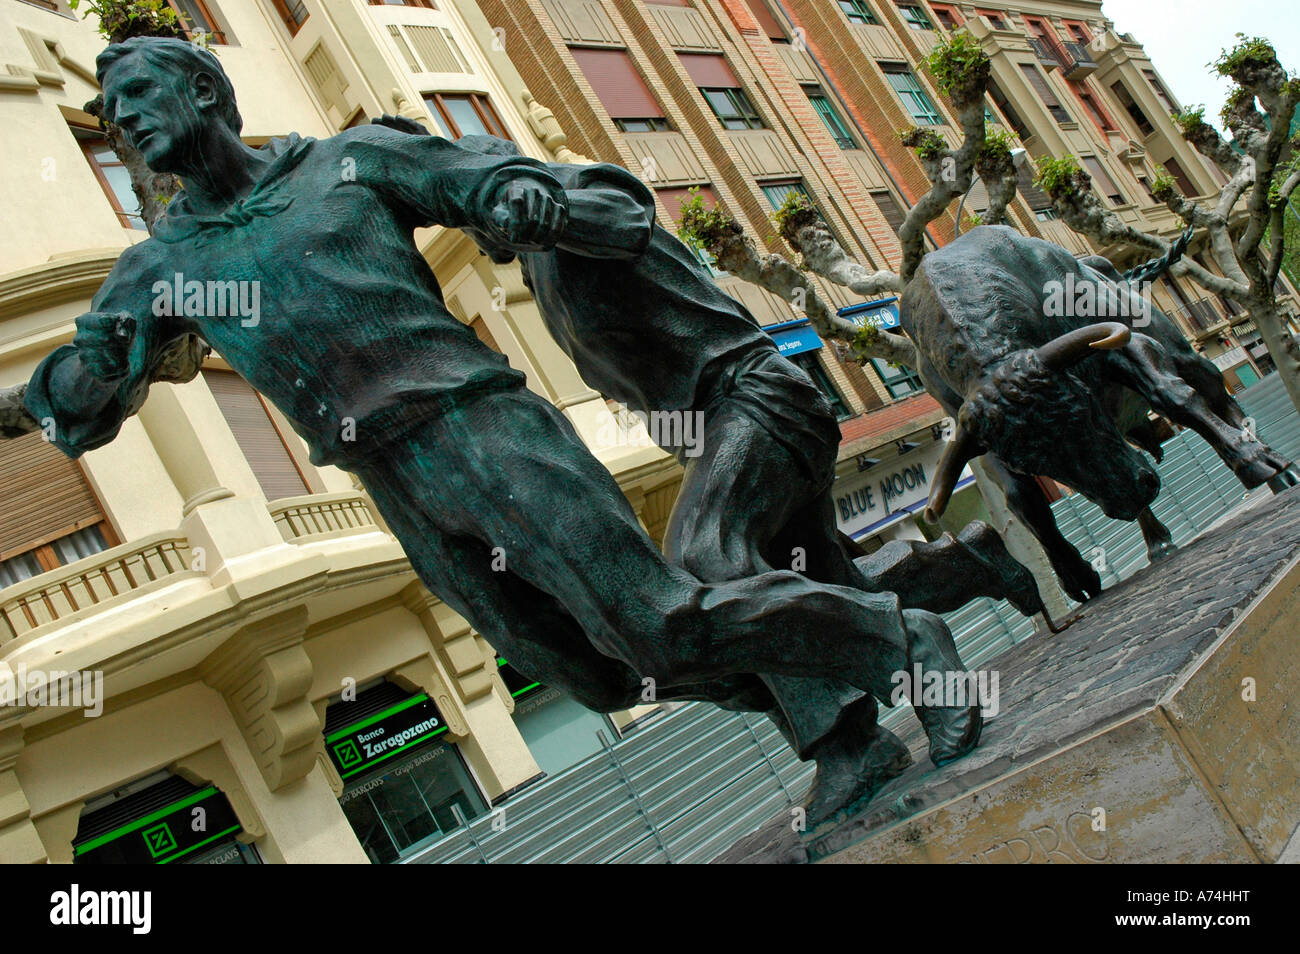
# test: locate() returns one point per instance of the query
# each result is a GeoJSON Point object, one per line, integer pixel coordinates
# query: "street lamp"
{"type": "Point", "coordinates": [1017, 157]}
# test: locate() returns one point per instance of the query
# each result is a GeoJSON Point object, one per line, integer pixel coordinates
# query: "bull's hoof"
{"type": "Point", "coordinates": [1259, 465]}
{"type": "Point", "coordinates": [849, 775]}
{"type": "Point", "coordinates": [1283, 480]}
{"type": "Point", "coordinates": [1080, 582]}
{"type": "Point", "coordinates": [1161, 550]}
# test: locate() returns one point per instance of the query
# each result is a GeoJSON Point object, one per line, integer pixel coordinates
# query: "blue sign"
{"type": "Point", "coordinates": [794, 340]}
{"type": "Point", "coordinates": [883, 313]}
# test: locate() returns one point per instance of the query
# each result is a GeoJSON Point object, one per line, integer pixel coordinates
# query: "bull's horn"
{"type": "Point", "coordinates": [1069, 349]}
{"type": "Point", "coordinates": [961, 450]}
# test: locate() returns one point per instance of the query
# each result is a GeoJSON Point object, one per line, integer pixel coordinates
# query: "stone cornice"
{"type": "Point", "coordinates": [56, 281]}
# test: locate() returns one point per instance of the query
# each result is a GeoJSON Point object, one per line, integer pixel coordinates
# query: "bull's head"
{"type": "Point", "coordinates": [1040, 419]}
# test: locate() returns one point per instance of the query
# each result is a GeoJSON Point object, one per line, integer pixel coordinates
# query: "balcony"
{"type": "Point", "coordinates": [1075, 61]}
{"type": "Point", "coordinates": [1201, 316]}
{"type": "Point", "coordinates": [322, 516]}
{"type": "Point", "coordinates": [93, 584]}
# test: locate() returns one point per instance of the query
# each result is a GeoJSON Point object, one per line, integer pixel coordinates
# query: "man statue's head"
{"type": "Point", "coordinates": [165, 93]}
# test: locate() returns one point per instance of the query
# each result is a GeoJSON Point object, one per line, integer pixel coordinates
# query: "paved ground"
{"type": "Point", "coordinates": [1131, 643]}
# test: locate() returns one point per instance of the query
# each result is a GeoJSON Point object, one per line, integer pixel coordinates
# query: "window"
{"type": "Point", "coordinates": [113, 176]}
{"type": "Point", "coordinates": [1037, 200]}
{"type": "Point", "coordinates": [1161, 93]}
{"type": "Point", "coordinates": [722, 91]}
{"type": "Point", "coordinates": [733, 108]}
{"type": "Point", "coordinates": [1004, 106]}
{"type": "Point", "coordinates": [620, 89]}
{"type": "Point", "coordinates": [913, 96]}
{"type": "Point", "coordinates": [293, 13]}
{"type": "Point", "coordinates": [428, 4]}
{"type": "Point", "coordinates": [808, 361]}
{"type": "Point", "coordinates": [1098, 115]}
{"type": "Point", "coordinates": [674, 199]}
{"type": "Point", "coordinates": [915, 17]}
{"type": "Point", "coordinates": [466, 114]}
{"type": "Point", "coordinates": [1184, 182]}
{"type": "Point", "coordinates": [834, 125]}
{"type": "Point", "coordinates": [656, 124]}
{"type": "Point", "coordinates": [948, 16]}
{"type": "Point", "coordinates": [276, 471]}
{"type": "Point", "coordinates": [1045, 93]}
{"type": "Point", "coordinates": [51, 517]}
{"type": "Point", "coordinates": [889, 209]}
{"type": "Point", "coordinates": [857, 11]}
{"type": "Point", "coordinates": [778, 192]}
{"type": "Point", "coordinates": [196, 17]}
{"type": "Point", "coordinates": [1134, 110]}
{"type": "Point", "coordinates": [900, 381]}
{"type": "Point", "coordinates": [1079, 32]}
{"type": "Point", "coordinates": [767, 22]}
{"type": "Point", "coordinates": [996, 19]}
{"type": "Point", "coordinates": [1105, 185]}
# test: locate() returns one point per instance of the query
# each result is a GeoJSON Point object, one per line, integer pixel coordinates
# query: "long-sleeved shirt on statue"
{"type": "Point", "coordinates": [349, 336]}
{"type": "Point", "coordinates": [635, 309]}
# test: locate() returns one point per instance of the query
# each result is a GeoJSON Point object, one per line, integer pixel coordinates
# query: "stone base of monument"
{"type": "Point", "coordinates": [1163, 726]}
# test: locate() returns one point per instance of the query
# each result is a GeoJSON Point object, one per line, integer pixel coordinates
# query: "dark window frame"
{"type": "Point", "coordinates": [482, 106]}
{"type": "Point", "coordinates": [857, 11]}
{"type": "Point", "coordinates": [739, 100]}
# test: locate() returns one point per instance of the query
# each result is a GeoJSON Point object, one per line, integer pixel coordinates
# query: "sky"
{"type": "Point", "coordinates": [1182, 36]}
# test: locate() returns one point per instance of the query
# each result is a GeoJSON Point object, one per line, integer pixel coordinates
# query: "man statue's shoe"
{"type": "Point", "coordinates": [849, 774]}
{"type": "Point", "coordinates": [953, 732]}
{"type": "Point", "coordinates": [1018, 585]}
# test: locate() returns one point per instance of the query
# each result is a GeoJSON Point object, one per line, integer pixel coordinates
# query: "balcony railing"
{"type": "Point", "coordinates": [322, 516]}
{"type": "Point", "coordinates": [1073, 58]}
{"type": "Point", "coordinates": [1200, 315]}
{"type": "Point", "coordinates": [113, 576]}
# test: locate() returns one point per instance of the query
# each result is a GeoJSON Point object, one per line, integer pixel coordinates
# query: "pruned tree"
{"type": "Point", "coordinates": [1262, 164]}
{"type": "Point", "coordinates": [120, 20]}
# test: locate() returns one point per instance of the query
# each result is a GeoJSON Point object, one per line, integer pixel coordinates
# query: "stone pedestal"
{"type": "Point", "coordinates": [1160, 727]}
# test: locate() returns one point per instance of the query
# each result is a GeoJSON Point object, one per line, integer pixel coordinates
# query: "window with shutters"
{"type": "Point", "coordinates": [293, 12]}
{"type": "Point", "coordinates": [51, 517]}
{"type": "Point", "coordinates": [767, 21]}
{"type": "Point", "coordinates": [1004, 107]}
{"type": "Point", "coordinates": [889, 209]}
{"type": "Point", "coordinates": [1134, 110]}
{"type": "Point", "coordinates": [1045, 92]}
{"type": "Point", "coordinates": [721, 90]}
{"type": "Point", "coordinates": [830, 117]}
{"type": "Point", "coordinates": [909, 90]}
{"type": "Point", "coordinates": [1184, 181]}
{"type": "Point", "coordinates": [675, 198]}
{"type": "Point", "coordinates": [857, 11]}
{"type": "Point", "coordinates": [267, 454]}
{"type": "Point", "coordinates": [621, 90]}
{"type": "Point", "coordinates": [948, 16]}
{"type": "Point", "coordinates": [1105, 184]}
{"type": "Point", "coordinates": [1162, 94]}
{"type": "Point", "coordinates": [1099, 116]}
{"type": "Point", "coordinates": [466, 114]}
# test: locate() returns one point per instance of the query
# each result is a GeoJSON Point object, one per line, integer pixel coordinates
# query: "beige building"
{"type": "Point", "coordinates": [264, 651]}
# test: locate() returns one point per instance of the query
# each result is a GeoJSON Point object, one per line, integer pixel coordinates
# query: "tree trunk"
{"type": "Point", "coordinates": [1282, 346]}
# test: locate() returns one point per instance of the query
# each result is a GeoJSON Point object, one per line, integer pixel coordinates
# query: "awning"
{"type": "Point", "coordinates": [794, 337]}
{"type": "Point", "coordinates": [882, 313]}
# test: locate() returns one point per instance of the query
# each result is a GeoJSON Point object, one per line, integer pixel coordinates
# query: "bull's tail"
{"type": "Point", "coordinates": [1158, 266]}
